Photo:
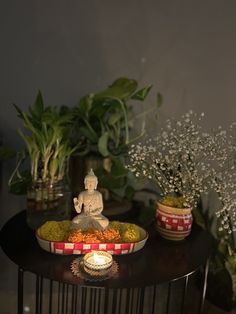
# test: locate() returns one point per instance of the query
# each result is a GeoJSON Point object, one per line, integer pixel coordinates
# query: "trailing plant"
{"type": "Point", "coordinates": [103, 123]}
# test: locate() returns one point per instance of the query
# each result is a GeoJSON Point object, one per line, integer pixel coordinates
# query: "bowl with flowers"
{"type": "Point", "coordinates": [60, 237]}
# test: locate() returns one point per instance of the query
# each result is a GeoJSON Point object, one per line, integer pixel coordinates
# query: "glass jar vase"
{"type": "Point", "coordinates": [48, 201]}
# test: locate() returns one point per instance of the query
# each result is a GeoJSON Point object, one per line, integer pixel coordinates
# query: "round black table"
{"type": "Point", "coordinates": [160, 261]}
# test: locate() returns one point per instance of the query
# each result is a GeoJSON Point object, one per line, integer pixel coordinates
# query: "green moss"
{"type": "Point", "coordinates": [173, 201]}
{"type": "Point", "coordinates": [116, 225]}
{"type": "Point", "coordinates": [129, 232]}
{"type": "Point", "coordinates": [54, 230]}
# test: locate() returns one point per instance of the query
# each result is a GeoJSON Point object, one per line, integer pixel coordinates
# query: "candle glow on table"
{"type": "Point", "coordinates": [98, 260]}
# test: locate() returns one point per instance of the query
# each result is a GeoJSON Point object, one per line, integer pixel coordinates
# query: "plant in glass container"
{"type": "Point", "coordinates": [103, 122]}
{"type": "Point", "coordinates": [46, 137]}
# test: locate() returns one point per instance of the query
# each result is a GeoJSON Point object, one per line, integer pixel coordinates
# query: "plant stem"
{"type": "Point", "coordinates": [122, 104]}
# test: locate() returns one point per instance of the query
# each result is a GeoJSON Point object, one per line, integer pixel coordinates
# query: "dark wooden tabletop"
{"type": "Point", "coordinates": [159, 261]}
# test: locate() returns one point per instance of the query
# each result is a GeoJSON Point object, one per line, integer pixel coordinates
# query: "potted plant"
{"type": "Point", "coordinates": [183, 161]}
{"type": "Point", "coordinates": [46, 136]}
{"type": "Point", "coordinates": [103, 122]}
{"type": "Point", "coordinates": [187, 162]}
{"type": "Point", "coordinates": [174, 218]}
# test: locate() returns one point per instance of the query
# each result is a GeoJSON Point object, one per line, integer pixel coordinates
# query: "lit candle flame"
{"type": "Point", "coordinates": [100, 260]}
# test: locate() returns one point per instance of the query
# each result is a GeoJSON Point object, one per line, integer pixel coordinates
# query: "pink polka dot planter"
{"type": "Point", "coordinates": [66, 248]}
{"type": "Point", "coordinates": [173, 223]}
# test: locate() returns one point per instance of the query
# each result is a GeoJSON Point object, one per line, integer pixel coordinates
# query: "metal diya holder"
{"type": "Point", "coordinates": [97, 261]}
{"type": "Point", "coordinates": [96, 265]}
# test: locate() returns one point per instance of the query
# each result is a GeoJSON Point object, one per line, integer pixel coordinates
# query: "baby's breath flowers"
{"type": "Point", "coordinates": [186, 161]}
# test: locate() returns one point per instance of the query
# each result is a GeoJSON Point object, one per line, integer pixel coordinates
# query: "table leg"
{"type": "Point", "coordinates": [50, 297]}
{"type": "Point", "coordinates": [119, 306]}
{"type": "Point", "coordinates": [154, 299]}
{"type": "Point", "coordinates": [63, 298]}
{"type": "Point", "coordinates": [83, 299]}
{"type": "Point", "coordinates": [39, 295]}
{"type": "Point", "coordinates": [168, 298]}
{"type": "Point", "coordinates": [76, 298]}
{"type": "Point", "coordinates": [184, 293]}
{"type": "Point", "coordinates": [99, 300]}
{"type": "Point", "coordinates": [114, 300]}
{"type": "Point", "coordinates": [58, 297]}
{"type": "Point", "coordinates": [106, 300]}
{"type": "Point", "coordinates": [20, 295]}
{"type": "Point", "coordinates": [127, 301]}
{"type": "Point", "coordinates": [206, 268]}
{"type": "Point", "coordinates": [141, 300]}
{"type": "Point", "coordinates": [91, 293]}
{"type": "Point", "coordinates": [67, 297]}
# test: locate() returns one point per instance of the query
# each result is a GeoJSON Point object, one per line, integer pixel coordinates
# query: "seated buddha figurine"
{"type": "Point", "coordinates": [90, 201]}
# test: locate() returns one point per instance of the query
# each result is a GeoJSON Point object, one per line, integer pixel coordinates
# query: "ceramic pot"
{"type": "Point", "coordinates": [173, 223]}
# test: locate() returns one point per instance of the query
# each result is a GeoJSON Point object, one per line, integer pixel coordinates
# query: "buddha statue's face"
{"type": "Point", "coordinates": [90, 184]}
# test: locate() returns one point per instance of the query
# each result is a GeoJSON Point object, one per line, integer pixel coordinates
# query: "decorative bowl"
{"type": "Point", "coordinates": [66, 248]}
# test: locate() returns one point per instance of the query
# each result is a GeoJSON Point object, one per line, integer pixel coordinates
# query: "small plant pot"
{"type": "Point", "coordinates": [173, 223]}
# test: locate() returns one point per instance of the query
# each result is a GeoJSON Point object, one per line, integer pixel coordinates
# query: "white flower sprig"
{"type": "Point", "coordinates": [187, 161]}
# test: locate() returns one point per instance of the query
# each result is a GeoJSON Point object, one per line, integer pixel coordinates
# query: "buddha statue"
{"type": "Point", "coordinates": [91, 203]}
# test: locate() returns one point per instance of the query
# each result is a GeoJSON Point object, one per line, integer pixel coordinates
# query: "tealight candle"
{"type": "Point", "coordinates": [98, 261]}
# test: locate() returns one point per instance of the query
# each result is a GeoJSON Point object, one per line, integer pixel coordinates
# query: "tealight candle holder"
{"type": "Point", "coordinates": [97, 263]}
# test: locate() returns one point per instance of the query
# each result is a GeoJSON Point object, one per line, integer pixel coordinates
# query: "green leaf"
{"type": "Point", "coordinates": [115, 117]}
{"type": "Point", "coordinates": [118, 192]}
{"type": "Point", "coordinates": [102, 144]}
{"type": "Point", "coordinates": [129, 192]}
{"type": "Point", "coordinates": [222, 248]}
{"type": "Point", "coordinates": [53, 167]}
{"type": "Point", "coordinates": [20, 185]}
{"type": "Point", "coordinates": [142, 93]}
{"type": "Point", "coordinates": [124, 83]}
{"type": "Point", "coordinates": [159, 100]}
{"type": "Point", "coordinates": [28, 141]}
{"type": "Point", "coordinates": [34, 118]}
{"type": "Point", "coordinates": [121, 88]}
{"type": "Point", "coordinates": [107, 181]}
{"type": "Point", "coordinates": [19, 111]}
{"type": "Point", "coordinates": [65, 110]}
{"type": "Point", "coordinates": [147, 214]}
{"type": "Point", "coordinates": [232, 263]}
{"type": "Point", "coordinates": [38, 104]}
{"type": "Point", "coordinates": [199, 218]}
{"type": "Point", "coordinates": [117, 185]}
{"type": "Point", "coordinates": [101, 107]}
{"type": "Point", "coordinates": [88, 133]}
{"type": "Point", "coordinates": [118, 168]}
{"type": "Point", "coordinates": [85, 105]}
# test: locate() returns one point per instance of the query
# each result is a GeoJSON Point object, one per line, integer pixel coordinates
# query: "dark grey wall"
{"type": "Point", "coordinates": [185, 48]}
